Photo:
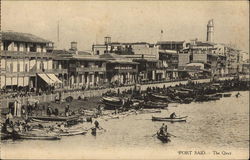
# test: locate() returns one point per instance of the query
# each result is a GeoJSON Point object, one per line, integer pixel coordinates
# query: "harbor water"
{"type": "Point", "coordinates": [212, 127]}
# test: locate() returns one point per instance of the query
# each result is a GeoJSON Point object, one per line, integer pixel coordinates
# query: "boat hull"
{"type": "Point", "coordinates": [168, 119]}
{"type": "Point", "coordinates": [36, 137]}
{"type": "Point", "coordinates": [163, 138]}
{"type": "Point", "coordinates": [154, 105]}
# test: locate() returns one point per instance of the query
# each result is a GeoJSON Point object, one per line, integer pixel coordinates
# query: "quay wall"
{"type": "Point", "coordinates": [95, 93]}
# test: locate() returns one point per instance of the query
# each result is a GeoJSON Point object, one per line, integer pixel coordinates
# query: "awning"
{"type": "Point", "coordinates": [54, 78]}
{"type": "Point", "coordinates": [46, 78]}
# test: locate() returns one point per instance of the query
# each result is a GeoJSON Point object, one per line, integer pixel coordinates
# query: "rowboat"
{"type": "Point", "coordinates": [161, 97]}
{"type": "Point", "coordinates": [168, 119]}
{"type": "Point", "coordinates": [148, 111]}
{"type": "Point", "coordinates": [163, 138]}
{"type": "Point", "coordinates": [53, 118]}
{"type": "Point", "coordinates": [95, 130]}
{"type": "Point", "coordinates": [227, 95]}
{"type": "Point", "coordinates": [112, 99]}
{"type": "Point", "coordinates": [151, 104]}
{"type": "Point", "coordinates": [112, 102]}
{"type": "Point", "coordinates": [73, 133]}
{"type": "Point", "coordinates": [5, 136]}
{"type": "Point", "coordinates": [36, 137]}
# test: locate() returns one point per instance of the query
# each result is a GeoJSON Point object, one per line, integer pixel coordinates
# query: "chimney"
{"type": "Point", "coordinates": [107, 40]}
{"type": "Point", "coordinates": [73, 46]}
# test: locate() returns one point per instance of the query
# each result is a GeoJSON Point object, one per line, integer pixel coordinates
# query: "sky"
{"type": "Point", "coordinates": [88, 22]}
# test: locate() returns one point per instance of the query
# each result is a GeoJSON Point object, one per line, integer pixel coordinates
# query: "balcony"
{"type": "Point", "coordinates": [87, 69]}
{"type": "Point", "coordinates": [125, 70]}
{"type": "Point", "coordinates": [33, 72]}
{"type": "Point", "coordinates": [26, 54]}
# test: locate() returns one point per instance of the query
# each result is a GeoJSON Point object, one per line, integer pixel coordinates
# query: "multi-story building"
{"type": "Point", "coordinates": [120, 70]}
{"type": "Point", "coordinates": [234, 59]}
{"type": "Point", "coordinates": [27, 62]}
{"type": "Point", "coordinates": [211, 55]}
{"type": "Point", "coordinates": [83, 68]}
{"type": "Point", "coordinates": [145, 54]}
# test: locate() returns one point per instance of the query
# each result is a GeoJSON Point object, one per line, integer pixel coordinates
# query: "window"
{"type": "Point", "coordinates": [18, 67]}
{"type": "Point", "coordinates": [42, 66]}
{"type": "Point", "coordinates": [11, 67]}
{"type": "Point", "coordinates": [26, 68]}
{"type": "Point", "coordinates": [97, 52]}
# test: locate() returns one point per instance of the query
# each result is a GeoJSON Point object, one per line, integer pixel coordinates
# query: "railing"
{"type": "Point", "coordinates": [101, 69]}
{"type": "Point", "coordinates": [125, 70]}
{"type": "Point", "coordinates": [34, 71]}
{"type": "Point", "coordinates": [25, 53]}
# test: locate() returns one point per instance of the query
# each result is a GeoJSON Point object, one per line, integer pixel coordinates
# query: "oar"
{"type": "Point", "coordinates": [154, 134]}
{"type": "Point", "coordinates": [172, 135]}
{"type": "Point", "coordinates": [103, 129]}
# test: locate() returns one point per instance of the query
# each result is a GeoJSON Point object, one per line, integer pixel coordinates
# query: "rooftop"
{"type": "Point", "coordinates": [167, 42]}
{"type": "Point", "coordinates": [22, 37]}
{"type": "Point", "coordinates": [200, 43]}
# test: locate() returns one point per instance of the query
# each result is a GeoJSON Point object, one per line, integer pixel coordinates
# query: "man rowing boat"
{"type": "Point", "coordinates": [173, 115]}
{"type": "Point", "coordinates": [163, 130]}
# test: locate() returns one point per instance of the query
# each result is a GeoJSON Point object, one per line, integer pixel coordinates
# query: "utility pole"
{"type": "Point", "coordinates": [58, 33]}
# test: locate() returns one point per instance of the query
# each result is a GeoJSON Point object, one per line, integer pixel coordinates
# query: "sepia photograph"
{"type": "Point", "coordinates": [124, 79]}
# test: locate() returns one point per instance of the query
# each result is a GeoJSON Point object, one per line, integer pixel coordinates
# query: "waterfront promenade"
{"type": "Point", "coordinates": [97, 93]}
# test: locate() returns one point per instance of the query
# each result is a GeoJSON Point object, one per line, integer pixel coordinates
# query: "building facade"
{"type": "Point", "coordinates": [27, 63]}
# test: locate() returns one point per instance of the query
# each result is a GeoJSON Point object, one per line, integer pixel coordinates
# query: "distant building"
{"type": "Point", "coordinates": [145, 54]}
{"type": "Point", "coordinates": [171, 45]}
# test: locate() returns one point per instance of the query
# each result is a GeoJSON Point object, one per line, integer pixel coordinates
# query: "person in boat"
{"type": "Point", "coordinates": [238, 94]}
{"type": "Point", "coordinates": [173, 115]}
{"type": "Point", "coordinates": [166, 129]}
{"type": "Point", "coordinates": [162, 129]}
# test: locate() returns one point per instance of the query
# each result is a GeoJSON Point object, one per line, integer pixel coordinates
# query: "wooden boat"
{"type": "Point", "coordinates": [112, 102]}
{"type": "Point", "coordinates": [111, 99]}
{"type": "Point", "coordinates": [73, 132]}
{"type": "Point", "coordinates": [163, 138]}
{"type": "Point", "coordinates": [168, 119]}
{"type": "Point", "coordinates": [161, 97]}
{"type": "Point", "coordinates": [53, 118]}
{"type": "Point", "coordinates": [213, 97]}
{"type": "Point", "coordinates": [187, 100]}
{"type": "Point", "coordinates": [36, 136]}
{"type": "Point", "coordinates": [227, 95]}
{"type": "Point", "coordinates": [148, 111]}
{"type": "Point", "coordinates": [151, 104]}
{"type": "Point", "coordinates": [182, 94]}
{"type": "Point", "coordinates": [5, 136]}
{"type": "Point", "coordinates": [112, 106]}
